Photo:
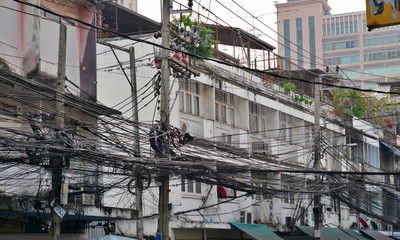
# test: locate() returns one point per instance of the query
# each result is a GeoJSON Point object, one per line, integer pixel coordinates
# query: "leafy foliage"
{"type": "Point", "coordinates": [351, 102]}
{"type": "Point", "coordinates": [301, 98]}
{"type": "Point", "coordinates": [357, 104]}
{"type": "Point", "coordinates": [203, 45]}
{"type": "Point", "coordinates": [287, 86]}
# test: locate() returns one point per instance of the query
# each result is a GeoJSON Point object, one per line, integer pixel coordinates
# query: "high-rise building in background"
{"type": "Point", "coordinates": [310, 37]}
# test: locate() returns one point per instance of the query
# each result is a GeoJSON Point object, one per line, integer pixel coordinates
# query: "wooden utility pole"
{"type": "Point", "coordinates": [163, 225]}
{"type": "Point", "coordinates": [136, 144]}
{"type": "Point", "coordinates": [57, 160]}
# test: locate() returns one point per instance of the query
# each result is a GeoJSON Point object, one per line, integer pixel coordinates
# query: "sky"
{"type": "Point", "coordinates": [256, 7]}
{"type": "Point", "coordinates": [243, 11]}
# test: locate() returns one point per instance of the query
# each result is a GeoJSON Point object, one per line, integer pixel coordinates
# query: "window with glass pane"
{"type": "Point", "coordinates": [188, 103]}
{"type": "Point", "coordinates": [216, 112]}
{"type": "Point", "coordinates": [190, 186]}
{"type": "Point", "coordinates": [223, 114]}
{"type": "Point", "coordinates": [181, 101]}
{"type": "Point", "coordinates": [189, 96]}
{"type": "Point", "coordinates": [196, 105]}
{"type": "Point", "coordinates": [231, 116]}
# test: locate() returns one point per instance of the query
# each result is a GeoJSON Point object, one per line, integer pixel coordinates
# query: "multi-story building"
{"type": "Point", "coordinates": [34, 124]}
{"type": "Point", "coordinates": [311, 37]}
{"type": "Point", "coordinates": [263, 122]}
{"type": "Point", "coordinates": [231, 110]}
{"type": "Point", "coordinates": [249, 161]}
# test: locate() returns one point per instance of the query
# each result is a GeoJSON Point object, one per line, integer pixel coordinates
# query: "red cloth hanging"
{"type": "Point", "coordinates": [221, 191]}
{"type": "Point", "coordinates": [363, 222]}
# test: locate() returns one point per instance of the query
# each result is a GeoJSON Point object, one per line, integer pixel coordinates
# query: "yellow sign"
{"type": "Point", "coordinates": [382, 13]}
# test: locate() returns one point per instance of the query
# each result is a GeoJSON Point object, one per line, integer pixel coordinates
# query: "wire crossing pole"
{"type": "Point", "coordinates": [164, 120]}
{"type": "Point", "coordinates": [57, 160]}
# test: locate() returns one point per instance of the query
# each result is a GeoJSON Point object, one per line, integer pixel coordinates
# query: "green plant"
{"type": "Point", "coordinates": [301, 98]}
{"type": "Point", "coordinates": [204, 47]}
{"type": "Point", "coordinates": [287, 86]}
{"type": "Point", "coordinates": [351, 102]}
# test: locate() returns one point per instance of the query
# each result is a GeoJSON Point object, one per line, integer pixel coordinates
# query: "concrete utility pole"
{"type": "Point", "coordinates": [136, 144]}
{"type": "Point", "coordinates": [57, 160]}
{"type": "Point", "coordinates": [163, 226]}
{"type": "Point", "coordinates": [317, 141]}
{"type": "Point", "coordinates": [318, 214]}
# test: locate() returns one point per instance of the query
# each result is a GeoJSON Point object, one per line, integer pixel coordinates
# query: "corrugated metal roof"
{"type": "Point", "coordinates": [375, 235]}
{"type": "Point", "coordinates": [257, 231]}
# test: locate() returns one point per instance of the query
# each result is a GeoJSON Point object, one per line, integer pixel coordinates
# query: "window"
{"type": "Point", "coordinates": [288, 197]}
{"type": "Point", "coordinates": [286, 127]}
{"type": "Point", "coordinates": [258, 118]}
{"type": "Point", "coordinates": [341, 25]}
{"type": "Point", "coordinates": [181, 101]}
{"type": "Point", "coordinates": [378, 56]}
{"type": "Point", "coordinates": [259, 180]}
{"type": "Point", "coordinates": [299, 41]}
{"type": "Point", "coordinates": [259, 147]}
{"type": "Point", "coordinates": [189, 96]}
{"type": "Point", "coordinates": [286, 35]}
{"type": "Point", "coordinates": [343, 60]}
{"type": "Point", "coordinates": [355, 24]}
{"type": "Point", "coordinates": [356, 152]}
{"type": "Point", "coordinates": [216, 112]}
{"type": "Point", "coordinates": [337, 23]}
{"type": "Point", "coordinates": [328, 27]}
{"type": "Point", "coordinates": [287, 183]}
{"type": "Point", "coordinates": [188, 106]}
{"type": "Point", "coordinates": [311, 30]}
{"type": "Point", "coordinates": [190, 186]}
{"type": "Point", "coordinates": [373, 156]}
{"type": "Point", "coordinates": [231, 116]}
{"type": "Point", "coordinates": [224, 107]}
{"type": "Point", "coordinates": [223, 113]}
{"type": "Point", "coordinates": [196, 105]}
{"type": "Point", "coordinates": [307, 133]}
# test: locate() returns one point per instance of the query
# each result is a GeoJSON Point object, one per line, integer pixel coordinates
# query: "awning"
{"type": "Point", "coordinates": [395, 150]}
{"type": "Point", "coordinates": [333, 233]}
{"type": "Point", "coordinates": [115, 237]}
{"type": "Point", "coordinates": [354, 234]}
{"type": "Point", "coordinates": [257, 231]}
{"type": "Point", "coordinates": [375, 235]}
